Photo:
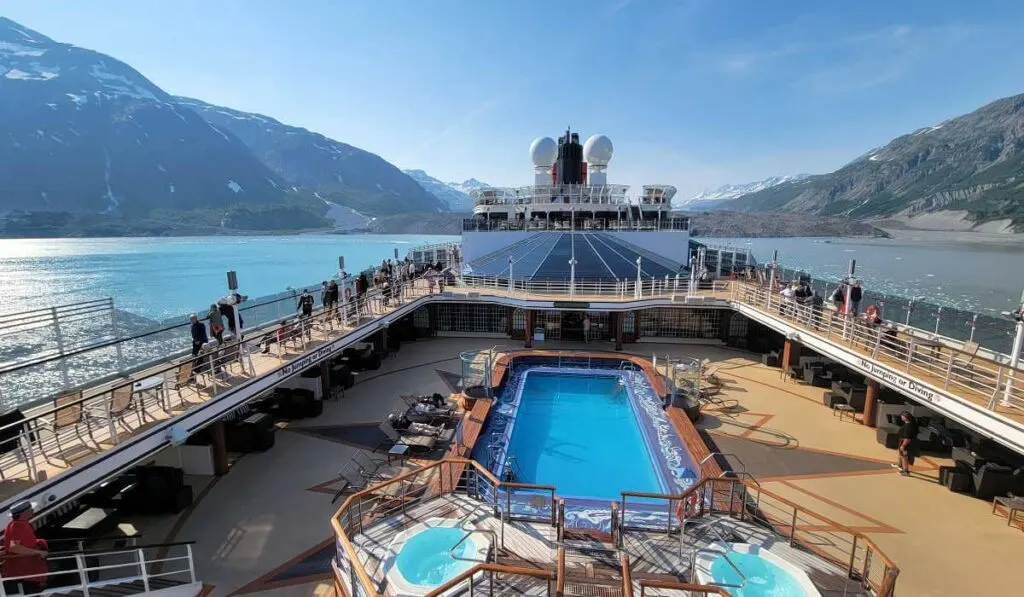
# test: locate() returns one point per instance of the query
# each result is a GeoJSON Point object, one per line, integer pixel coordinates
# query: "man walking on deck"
{"type": "Point", "coordinates": [908, 445]}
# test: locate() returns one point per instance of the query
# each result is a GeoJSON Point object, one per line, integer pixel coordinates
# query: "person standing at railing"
{"type": "Point", "coordinates": [586, 328]}
{"type": "Point", "coordinates": [331, 303]}
{"type": "Point", "coordinates": [856, 294]}
{"type": "Point", "coordinates": [305, 305]}
{"type": "Point", "coordinates": [216, 324]}
{"type": "Point", "coordinates": [24, 555]}
{"type": "Point", "coordinates": [199, 337]}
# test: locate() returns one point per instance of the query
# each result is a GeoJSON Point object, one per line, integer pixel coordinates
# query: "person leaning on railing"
{"type": "Point", "coordinates": [24, 555]}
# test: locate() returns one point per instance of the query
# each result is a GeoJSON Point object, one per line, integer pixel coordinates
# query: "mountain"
{"type": "Point", "coordinates": [454, 195]}
{"type": "Point", "coordinates": [82, 133]}
{"type": "Point", "coordinates": [967, 171]}
{"type": "Point", "coordinates": [709, 199]}
{"type": "Point", "coordinates": [337, 172]}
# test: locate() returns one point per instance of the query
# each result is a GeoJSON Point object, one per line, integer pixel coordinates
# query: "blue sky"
{"type": "Point", "coordinates": [694, 93]}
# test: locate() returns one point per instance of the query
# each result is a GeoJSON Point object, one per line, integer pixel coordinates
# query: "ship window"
{"type": "Point", "coordinates": [667, 322]}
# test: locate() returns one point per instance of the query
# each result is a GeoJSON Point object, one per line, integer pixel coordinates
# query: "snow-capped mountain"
{"type": "Point", "coordinates": [81, 132]}
{"type": "Point", "coordinates": [453, 194]}
{"type": "Point", "coordinates": [708, 198]}
{"type": "Point", "coordinates": [336, 171]}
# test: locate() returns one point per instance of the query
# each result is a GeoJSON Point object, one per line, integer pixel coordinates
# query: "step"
{"type": "Point", "coordinates": [577, 588]}
{"type": "Point", "coordinates": [132, 587]}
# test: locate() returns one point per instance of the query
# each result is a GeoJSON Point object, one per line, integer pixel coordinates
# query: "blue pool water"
{"type": "Point", "coordinates": [424, 559]}
{"type": "Point", "coordinates": [764, 579]}
{"type": "Point", "coordinates": [574, 431]}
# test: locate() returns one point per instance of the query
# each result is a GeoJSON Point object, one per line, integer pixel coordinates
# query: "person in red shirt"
{"type": "Point", "coordinates": [24, 557]}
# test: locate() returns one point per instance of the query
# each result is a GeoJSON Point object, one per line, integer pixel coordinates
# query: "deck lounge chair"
{"type": "Point", "coordinates": [374, 467]}
{"type": "Point", "coordinates": [416, 443]}
{"type": "Point", "coordinates": [422, 413]}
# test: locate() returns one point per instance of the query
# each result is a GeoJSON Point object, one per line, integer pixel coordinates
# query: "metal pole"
{"type": "Point", "coordinates": [60, 347]}
{"type": "Point", "coordinates": [232, 290]}
{"type": "Point", "coordinates": [113, 326]}
{"type": "Point", "coordinates": [510, 275]}
{"type": "Point", "coordinates": [639, 292]}
{"type": "Point", "coordinates": [1018, 340]}
{"type": "Point", "coordinates": [572, 276]}
{"type": "Point", "coordinates": [938, 318]}
{"type": "Point", "coordinates": [974, 326]}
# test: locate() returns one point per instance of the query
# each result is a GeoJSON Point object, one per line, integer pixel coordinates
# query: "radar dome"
{"type": "Point", "coordinates": [543, 152]}
{"type": "Point", "coordinates": [597, 151]}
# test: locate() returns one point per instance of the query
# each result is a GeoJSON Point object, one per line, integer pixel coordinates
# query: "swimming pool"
{"type": "Point", "coordinates": [421, 557]}
{"type": "Point", "coordinates": [766, 574]}
{"type": "Point", "coordinates": [580, 433]}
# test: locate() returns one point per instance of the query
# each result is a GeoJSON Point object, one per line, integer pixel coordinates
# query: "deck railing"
{"type": "Point", "coordinates": [128, 571]}
{"type": "Point", "coordinates": [944, 362]}
{"type": "Point", "coordinates": [581, 224]}
{"type": "Point", "coordinates": [392, 499]}
{"type": "Point", "coordinates": [612, 290]}
{"type": "Point", "coordinates": [90, 420]}
{"type": "Point", "coordinates": [853, 553]}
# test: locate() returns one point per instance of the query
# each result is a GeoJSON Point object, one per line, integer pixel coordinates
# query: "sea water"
{"type": "Point", "coordinates": [164, 278]}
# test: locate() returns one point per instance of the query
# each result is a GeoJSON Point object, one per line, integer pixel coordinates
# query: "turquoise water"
{"type": "Point", "coordinates": [764, 579]}
{"type": "Point", "coordinates": [571, 430]}
{"type": "Point", "coordinates": [164, 278]}
{"type": "Point", "coordinates": [424, 559]}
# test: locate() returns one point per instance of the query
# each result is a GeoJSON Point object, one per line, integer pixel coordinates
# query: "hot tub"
{"type": "Point", "coordinates": [767, 574]}
{"type": "Point", "coordinates": [419, 557]}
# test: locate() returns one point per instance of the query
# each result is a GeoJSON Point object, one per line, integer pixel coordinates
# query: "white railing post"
{"type": "Point", "coordinates": [117, 337]}
{"type": "Point", "coordinates": [60, 347]}
{"type": "Point", "coordinates": [143, 573]}
{"type": "Point", "coordinates": [83, 574]}
{"type": "Point", "coordinates": [191, 563]}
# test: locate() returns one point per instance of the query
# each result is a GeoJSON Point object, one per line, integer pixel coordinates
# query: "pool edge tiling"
{"type": "Point", "coordinates": [669, 455]}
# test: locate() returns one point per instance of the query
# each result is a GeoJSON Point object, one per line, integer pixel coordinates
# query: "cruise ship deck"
{"type": "Point", "coordinates": [826, 472]}
{"type": "Point", "coordinates": [269, 513]}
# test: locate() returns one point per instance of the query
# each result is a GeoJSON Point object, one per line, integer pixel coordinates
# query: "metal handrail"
{"type": "Point", "coordinates": [90, 418]}
{"type": "Point", "coordinates": [714, 526]}
{"type": "Point", "coordinates": [89, 573]}
{"type": "Point", "coordinates": [890, 571]}
{"type": "Point", "coordinates": [494, 539]}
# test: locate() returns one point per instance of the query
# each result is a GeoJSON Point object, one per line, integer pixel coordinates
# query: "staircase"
{"type": "Point", "coordinates": [132, 587]}
{"type": "Point", "coordinates": [165, 570]}
{"type": "Point", "coordinates": [593, 567]}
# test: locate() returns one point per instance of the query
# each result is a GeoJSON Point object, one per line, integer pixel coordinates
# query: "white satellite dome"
{"type": "Point", "coordinates": [597, 151]}
{"type": "Point", "coordinates": [543, 152]}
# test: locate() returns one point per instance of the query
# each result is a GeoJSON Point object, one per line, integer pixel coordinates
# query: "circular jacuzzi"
{"type": "Point", "coordinates": [421, 558]}
{"type": "Point", "coordinates": [760, 572]}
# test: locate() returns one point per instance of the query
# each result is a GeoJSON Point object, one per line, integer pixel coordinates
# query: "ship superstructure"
{"type": "Point", "coordinates": [572, 212]}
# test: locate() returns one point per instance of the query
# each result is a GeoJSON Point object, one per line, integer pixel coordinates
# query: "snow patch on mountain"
{"type": "Point", "coordinates": [455, 195]}
{"type": "Point", "coordinates": [733, 191]}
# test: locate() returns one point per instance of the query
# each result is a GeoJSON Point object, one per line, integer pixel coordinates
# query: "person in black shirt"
{"type": "Point", "coordinates": [909, 444]}
{"type": "Point", "coordinates": [855, 296]}
{"type": "Point", "coordinates": [306, 303]}
{"type": "Point", "coordinates": [199, 337]}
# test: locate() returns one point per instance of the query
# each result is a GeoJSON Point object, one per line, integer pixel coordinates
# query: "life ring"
{"type": "Point", "coordinates": [871, 313]}
{"type": "Point", "coordinates": [688, 508]}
